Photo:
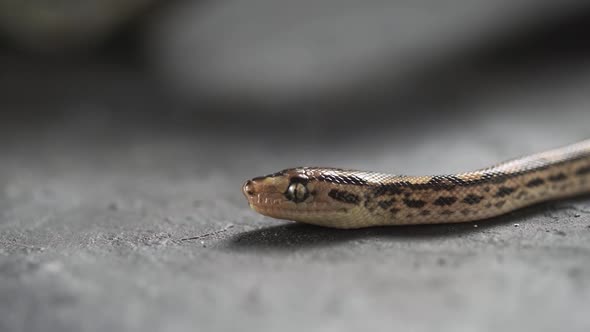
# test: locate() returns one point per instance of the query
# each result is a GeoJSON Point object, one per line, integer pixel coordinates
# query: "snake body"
{"type": "Point", "coordinates": [343, 198]}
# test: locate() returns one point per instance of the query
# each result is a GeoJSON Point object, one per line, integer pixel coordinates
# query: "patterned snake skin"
{"type": "Point", "coordinates": [354, 199]}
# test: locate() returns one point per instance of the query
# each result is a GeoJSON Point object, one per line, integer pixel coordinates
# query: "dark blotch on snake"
{"type": "Point", "coordinates": [445, 201]}
{"type": "Point", "coordinates": [388, 189]}
{"type": "Point", "coordinates": [583, 171]}
{"type": "Point", "coordinates": [504, 191]}
{"type": "Point", "coordinates": [535, 182]}
{"type": "Point", "coordinates": [558, 177]}
{"type": "Point", "coordinates": [386, 204]}
{"type": "Point", "coordinates": [472, 199]}
{"type": "Point", "coordinates": [414, 203]}
{"type": "Point", "coordinates": [344, 196]}
{"type": "Point", "coordinates": [369, 203]}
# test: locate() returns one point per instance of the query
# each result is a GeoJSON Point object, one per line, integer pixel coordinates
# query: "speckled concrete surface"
{"type": "Point", "coordinates": [97, 196]}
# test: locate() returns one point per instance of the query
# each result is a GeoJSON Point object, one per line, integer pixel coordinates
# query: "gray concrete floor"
{"type": "Point", "coordinates": [97, 193]}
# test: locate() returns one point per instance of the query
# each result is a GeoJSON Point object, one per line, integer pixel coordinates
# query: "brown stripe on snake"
{"type": "Point", "coordinates": [342, 179]}
{"type": "Point", "coordinates": [352, 199]}
{"type": "Point", "coordinates": [439, 182]}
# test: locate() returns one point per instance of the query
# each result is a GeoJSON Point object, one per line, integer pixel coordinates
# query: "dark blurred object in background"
{"type": "Point", "coordinates": [284, 54]}
{"type": "Point", "coordinates": [280, 52]}
{"type": "Point", "coordinates": [67, 25]}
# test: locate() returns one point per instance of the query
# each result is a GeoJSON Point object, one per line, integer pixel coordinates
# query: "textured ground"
{"type": "Point", "coordinates": [97, 190]}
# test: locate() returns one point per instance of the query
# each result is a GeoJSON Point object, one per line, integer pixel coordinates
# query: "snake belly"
{"type": "Point", "coordinates": [342, 198]}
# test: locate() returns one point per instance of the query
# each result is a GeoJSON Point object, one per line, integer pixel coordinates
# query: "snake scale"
{"type": "Point", "coordinates": [342, 198]}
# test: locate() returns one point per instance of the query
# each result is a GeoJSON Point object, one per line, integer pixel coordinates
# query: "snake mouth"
{"type": "Point", "coordinates": [280, 208]}
{"type": "Point", "coordinates": [317, 213]}
{"type": "Point", "coordinates": [261, 201]}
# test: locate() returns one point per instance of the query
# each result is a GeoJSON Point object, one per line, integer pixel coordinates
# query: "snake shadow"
{"type": "Point", "coordinates": [300, 236]}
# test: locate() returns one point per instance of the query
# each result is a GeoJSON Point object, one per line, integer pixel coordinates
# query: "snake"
{"type": "Point", "coordinates": [349, 199]}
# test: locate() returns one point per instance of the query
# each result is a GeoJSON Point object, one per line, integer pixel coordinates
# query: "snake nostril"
{"type": "Point", "coordinates": [248, 188]}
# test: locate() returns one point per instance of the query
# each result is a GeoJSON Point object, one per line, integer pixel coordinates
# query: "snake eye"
{"type": "Point", "coordinates": [296, 192]}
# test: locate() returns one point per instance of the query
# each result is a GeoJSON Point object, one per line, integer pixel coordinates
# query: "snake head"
{"type": "Point", "coordinates": [298, 194]}
{"type": "Point", "coordinates": [282, 191]}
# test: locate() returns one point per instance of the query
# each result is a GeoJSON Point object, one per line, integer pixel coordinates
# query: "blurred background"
{"type": "Point", "coordinates": [127, 126]}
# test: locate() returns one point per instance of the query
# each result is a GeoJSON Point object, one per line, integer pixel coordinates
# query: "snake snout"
{"type": "Point", "coordinates": [248, 189]}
